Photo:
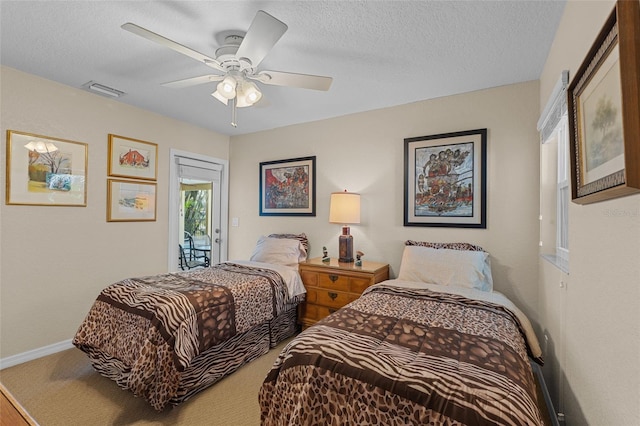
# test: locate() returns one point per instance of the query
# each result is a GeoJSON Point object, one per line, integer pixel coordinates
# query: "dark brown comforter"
{"type": "Point", "coordinates": [151, 328]}
{"type": "Point", "coordinates": [401, 356]}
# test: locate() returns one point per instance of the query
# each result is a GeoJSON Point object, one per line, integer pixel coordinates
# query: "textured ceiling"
{"type": "Point", "coordinates": [379, 53]}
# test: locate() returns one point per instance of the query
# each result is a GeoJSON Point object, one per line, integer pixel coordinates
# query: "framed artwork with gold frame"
{"type": "Point", "coordinates": [132, 158]}
{"type": "Point", "coordinates": [45, 171]}
{"type": "Point", "coordinates": [130, 200]}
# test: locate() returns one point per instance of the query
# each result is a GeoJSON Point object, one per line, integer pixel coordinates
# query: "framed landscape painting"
{"type": "Point", "coordinates": [445, 180]}
{"type": "Point", "coordinates": [130, 201]}
{"type": "Point", "coordinates": [288, 187]}
{"type": "Point", "coordinates": [604, 111]}
{"type": "Point", "coordinates": [45, 171]}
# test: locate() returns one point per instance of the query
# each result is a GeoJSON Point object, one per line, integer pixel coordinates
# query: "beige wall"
{"type": "Point", "coordinates": [55, 260]}
{"type": "Point", "coordinates": [364, 153]}
{"type": "Point", "coordinates": [593, 320]}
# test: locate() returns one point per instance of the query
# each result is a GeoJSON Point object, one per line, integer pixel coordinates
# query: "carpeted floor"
{"type": "Point", "coordinates": [63, 389]}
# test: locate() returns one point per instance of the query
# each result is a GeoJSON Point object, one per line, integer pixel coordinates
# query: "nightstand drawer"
{"type": "Point", "coordinates": [334, 299]}
{"type": "Point", "coordinates": [310, 313]}
{"type": "Point", "coordinates": [358, 285]}
{"type": "Point", "coordinates": [309, 278]}
{"type": "Point", "coordinates": [312, 295]}
{"type": "Point", "coordinates": [333, 281]}
{"type": "Point", "coordinates": [323, 311]}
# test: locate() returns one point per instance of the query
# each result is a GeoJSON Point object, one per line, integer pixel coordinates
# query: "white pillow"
{"type": "Point", "coordinates": [460, 268]}
{"type": "Point", "coordinates": [281, 251]}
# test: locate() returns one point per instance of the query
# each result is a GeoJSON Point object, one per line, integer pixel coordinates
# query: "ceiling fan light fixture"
{"type": "Point", "coordinates": [227, 87]}
{"type": "Point", "coordinates": [248, 94]}
{"type": "Point", "coordinates": [219, 97]}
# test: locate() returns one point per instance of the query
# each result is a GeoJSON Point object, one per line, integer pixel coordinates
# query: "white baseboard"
{"type": "Point", "coordinates": [10, 361]}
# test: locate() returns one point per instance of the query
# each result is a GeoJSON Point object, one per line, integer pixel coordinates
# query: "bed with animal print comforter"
{"type": "Point", "coordinates": [169, 336]}
{"type": "Point", "coordinates": [408, 353]}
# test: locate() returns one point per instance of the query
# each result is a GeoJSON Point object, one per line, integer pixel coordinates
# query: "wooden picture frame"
{"type": "Point", "coordinates": [132, 158]}
{"type": "Point", "coordinates": [131, 201]}
{"type": "Point", "coordinates": [288, 187]}
{"type": "Point", "coordinates": [445, 180]}
{"type": "Point", "coordinates": [604, 111]}
{"type": "Point", "coordinates": [45, 171]}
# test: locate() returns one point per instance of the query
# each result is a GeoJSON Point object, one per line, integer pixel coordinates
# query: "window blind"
{"type": "Point", "coordinates": [555, 108]}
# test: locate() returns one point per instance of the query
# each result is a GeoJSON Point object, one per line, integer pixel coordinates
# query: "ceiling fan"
{"type": "Point", "coordinates": [237, 61]}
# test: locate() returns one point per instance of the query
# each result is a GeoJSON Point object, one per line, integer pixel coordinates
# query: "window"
{"type": "Point", "coordinates": [555, 190]}
{"type": "Point", "coordinates": [563, 191]}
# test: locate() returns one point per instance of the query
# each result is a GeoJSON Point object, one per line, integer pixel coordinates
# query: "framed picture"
{"type": "Point", "coordinates": [288, 187]}
{"type": "Point", "coordinates": [604, 110]}
{"type": "Point", "coordinates": [445, 180]}
{"type": "Point", "coordinates": [130, 201]}
{"type": "Point", "coordinates": [45, 171]}
{"type": "Point", "coordinates": [132, 158]}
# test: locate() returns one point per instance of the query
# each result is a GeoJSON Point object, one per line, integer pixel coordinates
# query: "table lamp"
{"type": "Point", "coordinates": [345, 209]}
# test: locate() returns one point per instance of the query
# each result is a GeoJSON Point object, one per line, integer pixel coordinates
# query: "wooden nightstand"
{"type": "Point", "coordinates": [332, 285]}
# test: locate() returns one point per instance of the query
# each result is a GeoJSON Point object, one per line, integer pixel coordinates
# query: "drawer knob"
{"type": "Point", "coordinates": [333, 295]}
{"type": "Point", "coordinates": [333, 278]}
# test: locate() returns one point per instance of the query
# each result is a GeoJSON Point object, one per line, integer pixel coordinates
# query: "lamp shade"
{"type": "Point", "coordinates": [344, 208]}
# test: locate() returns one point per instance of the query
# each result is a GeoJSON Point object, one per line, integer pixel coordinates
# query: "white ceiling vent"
{"type": "Point", "coordinates": [101, 89]}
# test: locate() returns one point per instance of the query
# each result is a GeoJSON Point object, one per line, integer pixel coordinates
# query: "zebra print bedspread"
{"type": "Point", "coordinates": [399, 356]}
{"type": "Point", "coordinates": [153, 327]}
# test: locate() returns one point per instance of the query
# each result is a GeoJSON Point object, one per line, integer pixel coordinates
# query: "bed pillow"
{"type": "Point", "coordinates": [446, 267]}
{"type": "Point", "coordinates": [488, 285]}
{"type": "Point", "coordinates": [281, 251]}
{"type": "Point", "coordinates": [304, 250]}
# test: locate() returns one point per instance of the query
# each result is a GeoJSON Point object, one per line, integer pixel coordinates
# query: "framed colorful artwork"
{"type": "Point", "coordinates": [604, 110]}
{"type": "Point", "coordinates": [132, 158]}
{"type": "Point", "coordinates": [130, 201]}
{"type": "Point", "coordinates": [288, 187]}
{"type": "Point", "coordinates": [445, 180]}
{"type": "Point", "coordinates": [45, 171]}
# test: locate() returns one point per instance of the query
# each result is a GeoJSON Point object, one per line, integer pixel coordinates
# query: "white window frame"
{"type": "Point", "coordinates": [554, 125]}
{"type": "Point", "coordinates": [563, 191]}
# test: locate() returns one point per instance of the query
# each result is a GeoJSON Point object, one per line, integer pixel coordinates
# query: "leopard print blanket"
{"type": "Point", "coordinates": [153, 327]}
{"type": "Point", "coordinates": [399, 356]}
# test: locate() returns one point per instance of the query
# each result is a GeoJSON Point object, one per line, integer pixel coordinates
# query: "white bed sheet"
{"type": "Point", "coordinates": [289, 274]}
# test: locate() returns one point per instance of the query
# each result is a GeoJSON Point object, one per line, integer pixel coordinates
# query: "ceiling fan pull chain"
{"type": "Point", "coordinates": [234, 123]}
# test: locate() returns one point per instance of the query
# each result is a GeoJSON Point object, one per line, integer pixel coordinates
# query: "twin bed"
{"type": "Point", "coordinates": [435, 346]}
{"type": "Point", "coordinates": [169, 336]}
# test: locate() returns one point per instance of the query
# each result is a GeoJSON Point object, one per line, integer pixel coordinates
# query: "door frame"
{"type": "Point", "coordinates": [174, 200]}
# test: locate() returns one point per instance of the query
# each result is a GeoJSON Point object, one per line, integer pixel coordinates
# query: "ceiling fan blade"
{"type": "Point", "coordinates": [157, 38]}
{"type": "Point", "coordinates": [303, 81]}
{"type": "Point", "coordinates": [263, 33]}
{"type": "Point", "coordinates": [193, 81]}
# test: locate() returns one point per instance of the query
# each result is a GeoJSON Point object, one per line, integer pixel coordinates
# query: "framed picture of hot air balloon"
{"type": "Point", "coordinates": [445, 180]}
{"type": "Point", "coordinates": [132, 158]}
